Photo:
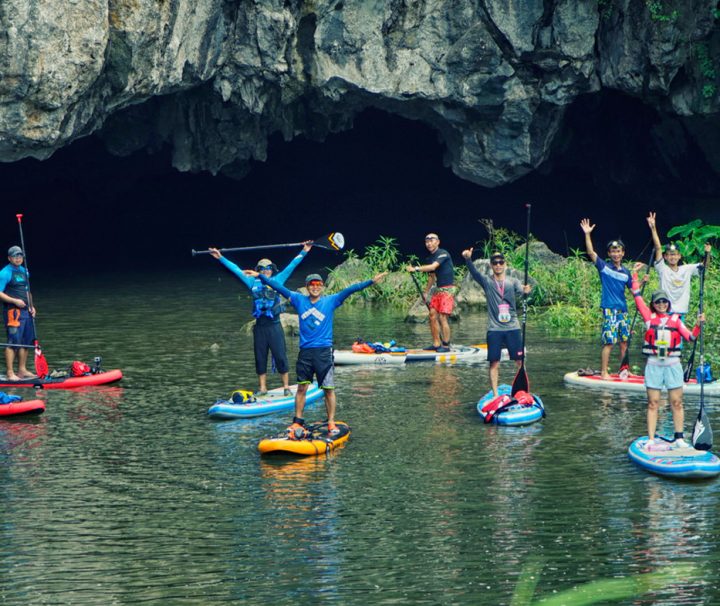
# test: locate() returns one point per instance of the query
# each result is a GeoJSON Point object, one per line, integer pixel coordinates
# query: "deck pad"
{"type": "Point", "coordinates": [319, 442]}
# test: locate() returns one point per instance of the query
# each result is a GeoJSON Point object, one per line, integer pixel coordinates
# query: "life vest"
{"type": "Point", "coordinates": [266, 303]}
{"type": "Point", "coordinates": [663, 329]}
{"type": "Point", "coordinates": [17, 287]}
{"type": "Point", "coordinates": [79, 369]}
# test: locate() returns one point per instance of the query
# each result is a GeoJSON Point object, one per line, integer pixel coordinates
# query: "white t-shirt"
{"type": "Point", "coordinates": [677, 284]}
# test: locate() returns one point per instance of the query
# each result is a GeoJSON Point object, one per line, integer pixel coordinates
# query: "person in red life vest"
{"type": "Point", "coordinates": [18, 312]}
{"type": "Point", "coordinates": [662, 347]}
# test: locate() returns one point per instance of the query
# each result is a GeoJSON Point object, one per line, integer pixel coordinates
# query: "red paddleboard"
{"type": "Point", "coordinates": [24, 407]}
{"type": "Point", "coordinates": [101, 378]}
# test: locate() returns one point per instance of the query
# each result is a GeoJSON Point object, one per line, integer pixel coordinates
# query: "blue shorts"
{"type": "Point", "coordinates": [317, 361]}
{"type": "Point", "coordinates": [660, 376]}
{"type": "Point", "coordinates": [511, 339]}
{"type": "Point", "coordinates": [615, 326]}
{"type": "Point", "coordinates": [19, 326]}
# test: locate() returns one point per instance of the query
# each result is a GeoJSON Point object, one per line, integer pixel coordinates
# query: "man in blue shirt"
{"type": "Point", "coordinates": [315, 313]}
{"type": "Point", "coordinates": [18, 313]}
{"type": "Point", "coordinates": [614, 279]}
{"type": "Point", "coordinates": [268, 335]}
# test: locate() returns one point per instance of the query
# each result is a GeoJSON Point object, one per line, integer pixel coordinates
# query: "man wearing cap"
{"type": "Point", "coordinates": [315, 358]}
{"type": "Point", "coordinates": [268, 335]}
{"type": "Point", "coordinates": [503, 327]}
{"type": "Point", "coordinates": [662, 347]}
{"type": "Point", "coordinates": [614, 279]}
{"type": "Point", "coordinates": [441, 283]}
{"type": "Point", "coordinates": [18, 313]}
{"type": "Point", "coordinates": [674, 278]}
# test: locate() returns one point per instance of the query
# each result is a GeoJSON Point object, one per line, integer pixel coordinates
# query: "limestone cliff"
{"type": "Point", "coordinates": [214, 79]}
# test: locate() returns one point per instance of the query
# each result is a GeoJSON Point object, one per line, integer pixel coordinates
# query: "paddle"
{"type": "Point", "coordinates": [625, 362]}
{"type": "Point", "coordinates": [41, 365]}
{"type": "Point", "coordinates": [702, 437]}
{"type": "Point", "coordinates": [419, 289]}
{"type": "Point", "coordinates": [334, 241]}
{"type": "Point", "coordinates": [520, 382]}
{"type": "Point", "coordinates": [691, 360]}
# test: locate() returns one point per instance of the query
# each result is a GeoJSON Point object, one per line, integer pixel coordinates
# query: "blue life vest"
{"type": "Point", "coordinates": [267, 303]}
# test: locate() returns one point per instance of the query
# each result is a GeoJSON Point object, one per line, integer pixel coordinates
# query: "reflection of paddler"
{"type": "Point", "coordinates": [268, 335]}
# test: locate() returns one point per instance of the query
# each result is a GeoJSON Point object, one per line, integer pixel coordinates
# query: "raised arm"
{"type": "Point", "coordinates": [283, 276]}
{"type": "Point", "coordinates": [477, 276]}
{"type": "Point", "coordinates": [655, 238]}
{"type": "Point", "coordinates": [275, 285]}
{"type": "Point", "coordinates": [587, 229]}
{"type": "Point", "coordinates": [239, 273]}
{"type": "Point", "coordinates": [639, 302]}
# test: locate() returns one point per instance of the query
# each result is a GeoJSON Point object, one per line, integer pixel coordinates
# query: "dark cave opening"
{"type": "Point", "coordinates": [383, 177]}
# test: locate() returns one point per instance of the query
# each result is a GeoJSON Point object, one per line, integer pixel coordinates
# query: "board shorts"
{"type": "Point", "coordinates": [268, 338]}
{"type": "Point", "coordinates": [19, 326]}
{"type": "Point", "coordinates": [510, 339]}
{"type": "Point", "coordinates": [664, 376]}
{"type": "Point", "coordinates": [318, 362]}
{"type": "Point", "coordinates": [443, 300]}
{"type": "Point", "coordinates": [615, 327]}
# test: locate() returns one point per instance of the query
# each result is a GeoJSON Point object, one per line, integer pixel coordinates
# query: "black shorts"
{"type": "Point", "coordinates": [318, 362]}
{"type": "Point", "coordinates": [511, 339]}
{"type": "Point", "coordinates": [270, 338]}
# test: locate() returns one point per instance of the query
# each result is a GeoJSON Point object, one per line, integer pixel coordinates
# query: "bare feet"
{"type": "Point", "coordinates": [11, 376]}
{"type": "Point", "coordinates": [25, 374]}
{"type": "Point", "coordinates": [605, 377]}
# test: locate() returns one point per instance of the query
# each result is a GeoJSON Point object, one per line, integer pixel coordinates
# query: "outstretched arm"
{"type": "Point", "coordinates": [285, 292]}
{"type": "Point", "coordinates": [587, 229]}
{"type": "Point", "coordinates": [239, 273]}
{"type": "Point", "coordinates": [477, 276]}
{"type": "Point", "coordinates": [283, 276]}
{"type": "Point", "coordinates": [353, 288]}
{"type": "Point", "coordinates": [655, 237]}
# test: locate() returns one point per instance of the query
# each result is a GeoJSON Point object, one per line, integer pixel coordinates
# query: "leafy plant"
{"type": "Point", "coordinates": [659, 13]}
{"type": "Point", "coordinates": [694, 235]}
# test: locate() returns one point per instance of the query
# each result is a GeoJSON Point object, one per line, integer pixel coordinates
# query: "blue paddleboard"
{"type": "Point", "coordinates": [674, 462]}
{"type": "Point", "coordinates": [273, 401]}
{"type": "Point", "coordinates": [516, 414]}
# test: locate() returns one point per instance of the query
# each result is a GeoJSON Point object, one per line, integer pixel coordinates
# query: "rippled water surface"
{"type": "Point", "coordinates": [129, 494]}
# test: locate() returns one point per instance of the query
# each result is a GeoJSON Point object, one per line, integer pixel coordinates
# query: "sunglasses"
{"type": "Point", "coordinates": [497, 262]}
{"type": "Point", "coordinates": [315, 283]}
{"type": "Point", "coordinates": [263, 268]}
{"type": "Point", "coordinates": [662, 302]}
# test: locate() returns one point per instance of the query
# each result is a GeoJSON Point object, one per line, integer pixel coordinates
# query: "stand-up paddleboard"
{"type": "Point", "coordinates": [24, 407]}
{"type": "Point", "coordinates": [319, 442]}
{"type": "Point", "coordinates": [513, 414]}
{"type": "Point", "coordinates": [273, 401]}
{"type": "Point", "coordinates": [457, 353]}
{"type": "Point", "coordinates": [101, 378]}
{"type": "Point", "coordinates": [634, 383]}
{"type": "Point", "coordinates": [665, 460]}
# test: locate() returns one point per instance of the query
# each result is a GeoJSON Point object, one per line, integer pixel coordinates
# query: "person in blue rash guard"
{"type": "Point", "coordinates": [18, 313]}
{"type": "Point", "coordinates": [316, 313]}
{"type": "Point", "coordinates": [268, 335]}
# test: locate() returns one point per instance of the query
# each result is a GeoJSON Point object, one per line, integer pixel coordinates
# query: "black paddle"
{"type": "Point", "coordinates": [702, 437]}
{"type": "Point", "coordinates": [625, 362]}
{"type": "Point", "coordinates": [41, 365]}
{"type": "Point", "coordinates": [334, 241]}
{"type": "Point", "coordinates": [521, 383]}
{"type": "Point", "coordinates": [691, 360]}
{"type": "Point", "coordinates": [419, 289]}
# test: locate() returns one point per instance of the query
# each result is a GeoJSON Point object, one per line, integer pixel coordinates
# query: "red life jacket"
{"type": "Point", "coordinates": [657, 323]}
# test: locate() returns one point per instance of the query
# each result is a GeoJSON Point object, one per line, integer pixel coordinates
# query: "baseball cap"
{"type": "Point", "coordinates": [616, 244]}
{"type": "Point", "coordinates": [659, 294]}
{"type": "Point", "coordinates": [497, 256]}
{"type": "Point", "coordinates": [314, 278]}
{"type": "Point", "coordinates": [15, 251]}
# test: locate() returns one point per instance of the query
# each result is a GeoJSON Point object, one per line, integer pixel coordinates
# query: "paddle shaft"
{"type": "Point", "coordinates": [691, 360]}
{"type": "Point", "coordinates": [27, 273]}
{"type": "Point", "coordinates": [241, 248]}
{"type": "Point", "coordinates": [521, 382]}
{"type": "Point", "coordinates": [419, 289]}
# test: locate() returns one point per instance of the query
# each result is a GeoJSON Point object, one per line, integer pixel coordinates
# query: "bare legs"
{"type": "Point", "coordinates": [675, 396]}
{"type": "Point", "coordinates": [330, 402]}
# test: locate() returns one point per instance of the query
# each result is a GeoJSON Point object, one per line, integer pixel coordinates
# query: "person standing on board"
{"type": "Point", "coordinates": [614, 279]}
{"type": "Point", "coordinates": [674, 278]}
{"type": "Point", "coordinates": [18, 313]}
{"type": "Point", "coordinates": [662, 346]}
{"type": "Point", "coordinates": [503, 327]}
{"type": "Point", "coordinates": [268, 334]}
{"type": "Point", "coordinates": [315, 358]}
{"type": "Point", "coordinates": [441, 284]}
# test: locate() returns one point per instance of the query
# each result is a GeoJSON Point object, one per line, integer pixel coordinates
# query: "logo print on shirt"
{"type": "Point", "coordinates": [317, 319]}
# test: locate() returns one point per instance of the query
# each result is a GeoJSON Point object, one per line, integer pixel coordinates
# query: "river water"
{"type": "Point", "coordinates": [129, 494]}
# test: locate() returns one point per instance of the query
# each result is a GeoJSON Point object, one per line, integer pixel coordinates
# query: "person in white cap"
{"type": "Point", "coordinates": [18, 314]}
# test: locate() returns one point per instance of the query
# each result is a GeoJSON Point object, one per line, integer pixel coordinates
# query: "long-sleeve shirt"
{"type": "Point", "coordinates": [497, 293]}
{"type": "Point", "coordinates": [266, 302]}
{"type": "Point", "coordinates": [316, 319]}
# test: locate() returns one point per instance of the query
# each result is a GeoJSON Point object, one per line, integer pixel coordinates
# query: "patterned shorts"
{"type": "Point", "coordinates": [443, 302]}
{"type": "Point", "coordinates": [615, 326]}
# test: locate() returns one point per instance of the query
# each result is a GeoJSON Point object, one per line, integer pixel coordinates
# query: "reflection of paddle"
{"type": "Point", "coordinates": [702, 437]}
{"type": "Point", "coordinates": [41, 365]}
{"type": "Point", "coordinates": [419, 289]}
{"type": "Point", "coordinates": [521, 383]}
{"type": "Point", "coordinates": [625, 362]}
{"type": "Point", "coordinates": [334, 241]}
{"type": "Point", "coordinates": [691, 360]}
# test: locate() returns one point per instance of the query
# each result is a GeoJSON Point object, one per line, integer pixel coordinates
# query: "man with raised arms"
{"type": "Point", "coordinates": [315, 358]}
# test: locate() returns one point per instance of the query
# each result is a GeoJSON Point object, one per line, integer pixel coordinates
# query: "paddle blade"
{"type": "Point", "coordinates": [41, 365]}
{"type": "Point", "coordinates": [334, 241]}
{"type": "Point", "coordinates": [521, 382]}
{"type": "Point", "coordinates": [702, 438]}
